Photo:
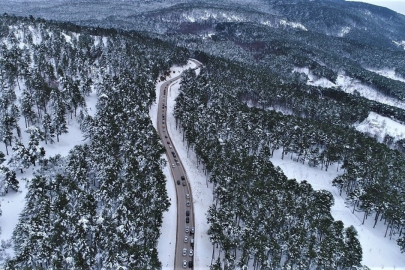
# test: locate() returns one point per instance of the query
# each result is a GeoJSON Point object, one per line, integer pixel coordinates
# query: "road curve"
{"type": "Point", "coordinates": [183, 189]}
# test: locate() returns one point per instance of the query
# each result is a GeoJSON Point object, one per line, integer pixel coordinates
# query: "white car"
{"type": "Point", "coordinates": [184, 252]}
{"type": "Point", "coordinates": [184, 264]}
{"type": "Point", "coordinates": [173, 165]}
{"type": "Point", "coordinates": [191, 252]}
{"type": "Point", "coordinates": [187, 229]}
{"type": "Point", "coordinates": [187, 196]}
{"type": "Point", "coordinates": [188, 203]}
{"type": "Point", "coordinates": [185, 239]}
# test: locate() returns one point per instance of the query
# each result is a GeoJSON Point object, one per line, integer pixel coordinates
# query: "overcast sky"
{"type": "Point", "coordinates": [396, 5]}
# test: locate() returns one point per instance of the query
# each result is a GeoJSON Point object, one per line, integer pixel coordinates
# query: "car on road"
{"type": "Point", "coordinates": [191, 253]}
{"type": "Point", "coordinates": [187, 220]}
{"type": "Point", "coordinates": [183, 178]}
{"type": "Point", "coordinates": [170, 146]}
{"type": "Point", "coordinates": [187, 196]}
{"type": "Point", "coordinates": [185, 264]}
{"type": "Point", "coordinates": [187, 229]}
{"type": "Point", "coordinates": [184, 183]}
{"type": "Point", "coordinates": [173, 165]}
{"type": "Point", "coordinates": [185, 239]}
{"type": "Point", "coordinates": [178, 182]}
{"type": "Point", "coordinates": [188, 203]}
{"type": "Point", "coordinates": [190, 264]}
{"type": "Point", "coordinates": [192, 230]}
{"type": "Point", "coordinates": [192, 242]}
{"type": "Point", "coordinates": [168, 142]}
{"type": "Point", "coordinates": [184, 252]}
{"type": "Point", "coordinates": [165, 136]}
{"type": "Point", "coordinates": [187, 212]}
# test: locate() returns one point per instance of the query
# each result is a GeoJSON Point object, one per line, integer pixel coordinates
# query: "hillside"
{"type": "Point", "coordinates": [320, 83]}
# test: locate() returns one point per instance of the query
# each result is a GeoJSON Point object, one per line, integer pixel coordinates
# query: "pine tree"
{"type": "Point", "coordinates": [27, 103]}
{"type": "Point", "coordinates": [49, 131]}
{"type": "Point", "coordinates": [35, 151]}
{"type": "Point", "coordinates": [20, 158]}
{"type": "Point", "coordinates": [353, 251]}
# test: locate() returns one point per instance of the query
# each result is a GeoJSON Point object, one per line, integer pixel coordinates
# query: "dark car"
{"type": "Point", "coordinates": [178, 182]}
{"type": "Point", "coordinates": [168, 142]}
{"type": "Point", "coordinates": [187, 220]}
{"type": "Point", "coordinates": [187, 212]}
{"type": "Point", "coordinates": [183, 178]}
{"type": "Point", "coordinates": [190, 264]}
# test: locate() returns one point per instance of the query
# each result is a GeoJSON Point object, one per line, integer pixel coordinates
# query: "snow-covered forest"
{"type": "Point", "coordinates": [306, 85]}
{"type": "Point", "coordinates": [101, 206]}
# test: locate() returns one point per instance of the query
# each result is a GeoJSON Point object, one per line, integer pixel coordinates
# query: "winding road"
{"type": "Point", "coordinates": [185, 211]}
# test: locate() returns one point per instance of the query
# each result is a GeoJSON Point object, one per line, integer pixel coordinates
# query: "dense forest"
{"type": "Point", "coordinates": [85, 210]}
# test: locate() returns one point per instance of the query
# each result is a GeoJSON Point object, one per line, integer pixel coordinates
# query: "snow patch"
{"type": "Point", "coordinates": [36, 37]}
{"type": "Point", "coordinates": [312, 79]}
{"type": "Point", "coordinates": [379, 126]}
{"type": "Point", "coordinates": [293, 25]}
{"type": "Point", "coordinates": [105, 39]}
{"type": "Point", "coordinates": [400, 43]}
{"type": "Point", "coordinates": [352, 86]}
{"type": "Point", "coordinates": [67, 38]}
{"type": "Point", "coordinates": [388, 73]}
{"type": "Point", "coordinates": [344, 31]}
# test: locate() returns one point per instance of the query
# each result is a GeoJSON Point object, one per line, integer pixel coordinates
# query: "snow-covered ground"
{"type": "Point", "coordinates": [351, 85]}
{"type": "Point", "coordinates": [378, 252]}
{"type": "Point", "coordinates": [379, 126]}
